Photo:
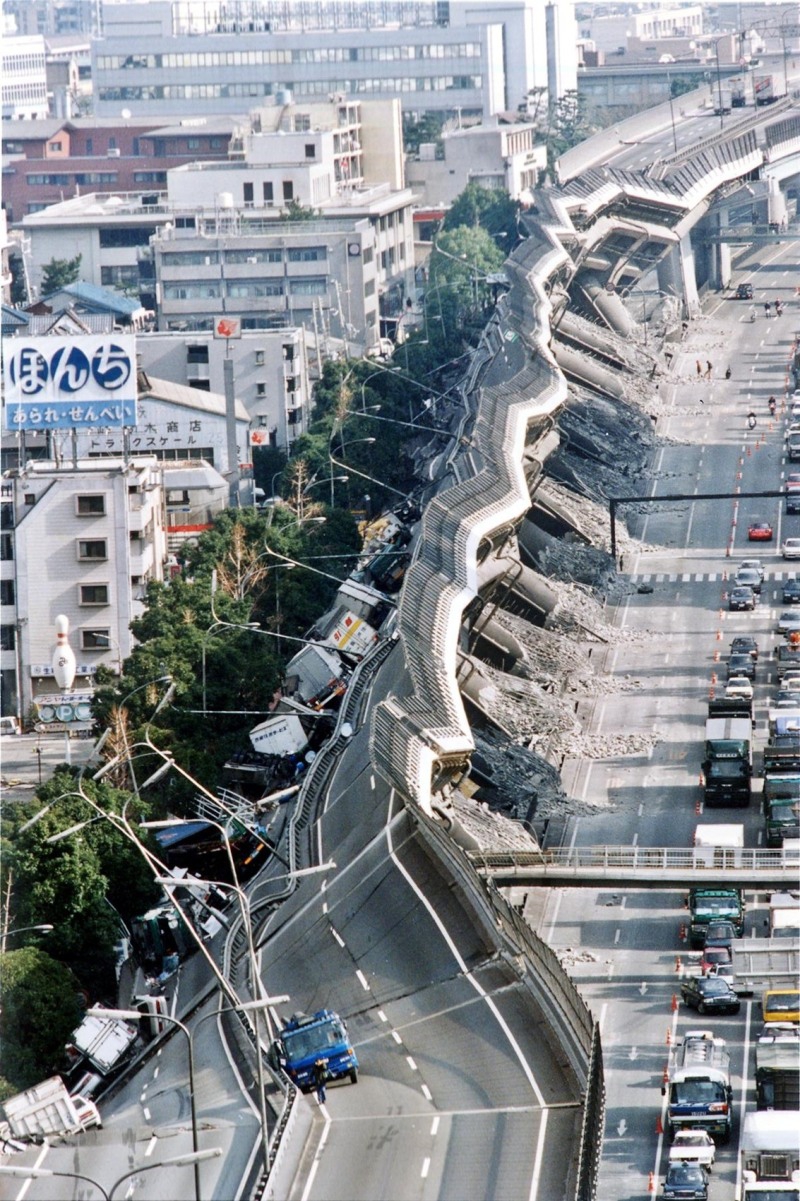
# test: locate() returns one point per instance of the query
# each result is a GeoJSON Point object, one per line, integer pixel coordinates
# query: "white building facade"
{"type": "Point", "coordinates": [24, 78]}
{"type": "Point", "coordinates": [270, 373]}
{"type": "Point", "coordinates": [83, 540]}
{"type": "Point", "coordinates": [504, 157]}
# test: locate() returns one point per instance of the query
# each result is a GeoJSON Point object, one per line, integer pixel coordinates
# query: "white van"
{"type": "Point", "coordinates": [9, 725]}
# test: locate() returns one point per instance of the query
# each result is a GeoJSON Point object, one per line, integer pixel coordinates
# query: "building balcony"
{"type": "Point", "coordinates": [142, 558]}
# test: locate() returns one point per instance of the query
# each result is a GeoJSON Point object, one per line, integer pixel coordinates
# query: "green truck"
{"type": "Point", "coordinates": [713, 905]}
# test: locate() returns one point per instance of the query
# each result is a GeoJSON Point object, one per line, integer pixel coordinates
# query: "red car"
{"type": "Point", "coordinates": [759, 531]}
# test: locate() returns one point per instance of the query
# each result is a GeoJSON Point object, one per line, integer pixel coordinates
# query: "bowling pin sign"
{"type": "Point", "coordinates": [63, 656]}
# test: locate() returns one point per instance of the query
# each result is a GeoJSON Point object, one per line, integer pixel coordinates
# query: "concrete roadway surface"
{"type": "Point", "coordinates": [623, 948]}
{"type": "Point", "coordinates": [459, 1095]}
{"type": "Point", "coordinates": [20, 756]}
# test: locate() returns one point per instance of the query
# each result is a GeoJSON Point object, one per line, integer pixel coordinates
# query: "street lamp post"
{"type": "Point", "coordinates": [175, 1161]}
{"type": "Point", "coordinates": [363, 474]}
{"type": "Point", "coordinates": [43, 928]}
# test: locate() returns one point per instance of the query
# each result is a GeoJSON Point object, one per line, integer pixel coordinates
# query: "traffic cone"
{"type": "Point", "coordinates": [651, 1184]}
{"type": "Point", "coordinates": [659, 1125]}
{"type": "Point", "coordinates": [674, 1001]}
{"type": "Point", "coordinates": [716, 656]}
{"type": "Point", "coordinates": [713, 677]}
{"type": "Point", "coordinates": [678, 964]}
{"type": "Point", "coordinates": [669, 1037]}
{"type": "Point", "coordinates": [698, 807]}
{"type": "Point", "coordinates": [719, 632]}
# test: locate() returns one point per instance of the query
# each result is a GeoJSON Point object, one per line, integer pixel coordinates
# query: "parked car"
{"type": "Point", "coordinates": [794, 412]}
{"type": "Point", "coordinates": [741, 665]}
{"type": "Point", "coordinates": [759, 531]}
{"type": "Point", "coordinates": [748, 577]}
{"type": "Point", "coordinates": [739, 686]}
{"type": "Point", "coordinates": [744, 291]}
{"type": "Point", "coordinates": [788, 621]}
{"type": "Point", "coordinates": [744, 645]}
{"type": "Point", "coordinates": [745, 598]}
{"type": "Point", "coordinates": [687, 1181]}
{"type": "Point", "coordinates": [791, 548]}
{"type": "Point", "coordinates": [693, 1146]}
{"type": "Point", "coordinates": [790, 591]}
{"type": "Point", "coordinates": [709, 994]}
{"type": "Point", "coordinates": [793, 478]}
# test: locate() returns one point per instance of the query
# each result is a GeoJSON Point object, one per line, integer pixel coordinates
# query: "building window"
{"type": "Point", "coordinates": [54, 146]}
{"type": "Point", "coordinates": [7, 638]}
{"type": "Point", "coordinates": [89, 147]}
{"type": "Point", "coordinates": [6, 547]}
{"type": "Point", "coordinates": [93, 594]}
{"type": "Point", "coordinates": [247, 193]}
{"type": "Point", "coordinates": [261, 389]}
{"type": "Point", "coordinates": [259, 358]}
{"type": "Point", "coordinates": [7, 593]}
{"type": "Point", "coordinates": [197, 354]}
{"type": "Point", "coordinates": [92, 548]}
{"type": "Point", "coordinates": [6, 517]}
{"type": "Point", "coordinates": [268, 191]}
{"type": "Point", "coordinates": [200, 385]}
{"type": "Point", "coordinates": [90, 506]}
{"type": "Point", "coordinates": [288, 189]}
{"type": "Point", "coordinates": [308, 254]}
{"type": "Point", "coordinates": [95, 640]}
{"type": "Point", "coordinates": [311, 150]}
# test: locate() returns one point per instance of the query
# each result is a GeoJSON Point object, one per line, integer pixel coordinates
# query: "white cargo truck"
{"type": "Point", "coordinates": [718, 845]}
{"type": "Point", "coordinates": [104, 1041]}
{"type": "Point", "coordinates": [770, 1156]}
{"type": "Point", "coordinates": [45, 1110]}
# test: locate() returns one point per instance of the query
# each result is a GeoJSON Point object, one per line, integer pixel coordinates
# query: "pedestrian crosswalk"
{"type": "Point", "coordinates": [704, 577]}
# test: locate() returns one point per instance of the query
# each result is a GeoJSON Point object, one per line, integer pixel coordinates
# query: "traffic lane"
{"type": "Point", "coordinates": [91, 1158]}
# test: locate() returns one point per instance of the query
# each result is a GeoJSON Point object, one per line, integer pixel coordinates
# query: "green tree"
{"type": "Point", "coordinates": [568, 124]}
{"type": "Point", "coordinates": [488, 208]}
{"type": "Point", "coordinates": [39, 1009]}
{"type": "Point", "coordinates": [59, 272]}
{"type": "Point", "coordinates": [427, 128]}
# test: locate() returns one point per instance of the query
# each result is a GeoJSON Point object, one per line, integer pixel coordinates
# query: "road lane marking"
{"type": "Point", "coordinates": [155, 1073]}
{"type": "Point", "coordinates": [337, 936]}
{"type": "Point", "coordinates": [315, 1165]}
{"type": "Point", "coordinates": [411, 1064]}
{"type": "Point", "coordinates": [397, 1037]}
{"type": "Point", "coordinates": [382, 1016]}
{"type": "Point", "coordinates": [146, 1113]}
{"type": "Point", "coordinates": [426, 1163]}
{"type": "Point", "coordinates": [362, 979]}
{"type": "Point", "coordinates": [150, 1148]}
{"type": "Point", "coordinates": [616, 936]}
{"type": "Point", "coordinates": [435, 1125]}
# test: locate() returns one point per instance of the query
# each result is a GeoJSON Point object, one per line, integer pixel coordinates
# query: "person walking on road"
{"type": "Point", "coordinates": [709, 369]}
{"type": "Point", "coordinates": [766, 308]}
{"type": "Point", "coordinates": [320, 1077]}
{"type": "Point", "coordinates": [699, 367]}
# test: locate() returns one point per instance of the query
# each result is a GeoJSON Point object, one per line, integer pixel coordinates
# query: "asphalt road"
{"type": "Point", "coordinates": [459, 1095]}
{"type": "Point", "coordinates": [626, 945]}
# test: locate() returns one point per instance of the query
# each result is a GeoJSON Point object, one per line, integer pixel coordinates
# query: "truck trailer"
{"type": "Point", "coordinates": [46, 1110]}
{"type": "Point", "coordinates": [778, 1067]}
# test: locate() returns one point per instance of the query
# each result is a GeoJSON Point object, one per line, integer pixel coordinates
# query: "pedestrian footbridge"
{"type": "Point", "coordinates": [641, 867]}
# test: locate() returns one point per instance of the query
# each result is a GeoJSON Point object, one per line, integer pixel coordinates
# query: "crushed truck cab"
{"type": "Point", "coordinates": [308, 1037]}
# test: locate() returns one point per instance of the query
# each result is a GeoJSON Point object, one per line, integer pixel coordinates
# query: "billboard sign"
{"type": "Point", "coordinates": [228, 327]}
{"type": "Point", "coordinates": [56, 383]}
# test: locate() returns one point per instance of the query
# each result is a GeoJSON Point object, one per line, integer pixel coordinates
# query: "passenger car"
{"type": "Point", "coordinates": [748, 577]}
{"type": "Point", "coordinates": [743, 645]}
{"type": "Point", "coordinates": [739, 686]}
{"type": "Point", "coordinates": [754, 565]}
{"type": "Point", "coordinates": [788, 621]}
{"type": "Point", "coordinates": [713, 959]}
{"type": "Point", "coordinates": [744, 292]}
{"type": "Point", "coordinates": [693, 1146]}
{"type": "Point", "coordinates": [687, 1181]}
{"type": "Point", "coordinates": [745, 598]}
{"type": "Point", "coordinates": [720, 933]}
{"type": "Point", "coordinates": [759, 531]}
{"type": "Point", "coordinates": [790, 591]}
{"type": "Point", "coordinates": [741, 665]}
{"type": "Point", "coordinates": [791, 548]}
{"type": "Point", "coordinates": [709, 994]}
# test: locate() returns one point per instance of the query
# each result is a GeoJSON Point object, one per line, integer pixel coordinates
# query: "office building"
{"type": "Point", "coordinates": [24, 78]}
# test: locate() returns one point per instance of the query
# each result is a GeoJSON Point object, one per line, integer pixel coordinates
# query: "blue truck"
{"type": "Point", "coordinates": [305, 1038]}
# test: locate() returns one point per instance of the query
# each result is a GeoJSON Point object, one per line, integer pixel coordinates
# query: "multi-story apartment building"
{"type": "Point", "coordinates": [467, 56]}
{"type": "Point", "coordinates": [53, 17]}
{"type": "Point", "coordinates": [505, 157]}
{"type": "Point", "coordinates": [24, 78]}
{"type": "Point", "coordinates": [83, 540]}
{"type": "Point", "coordinates": [44, 162]}
{"type": "Point", "coordinates": [270, 372]}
